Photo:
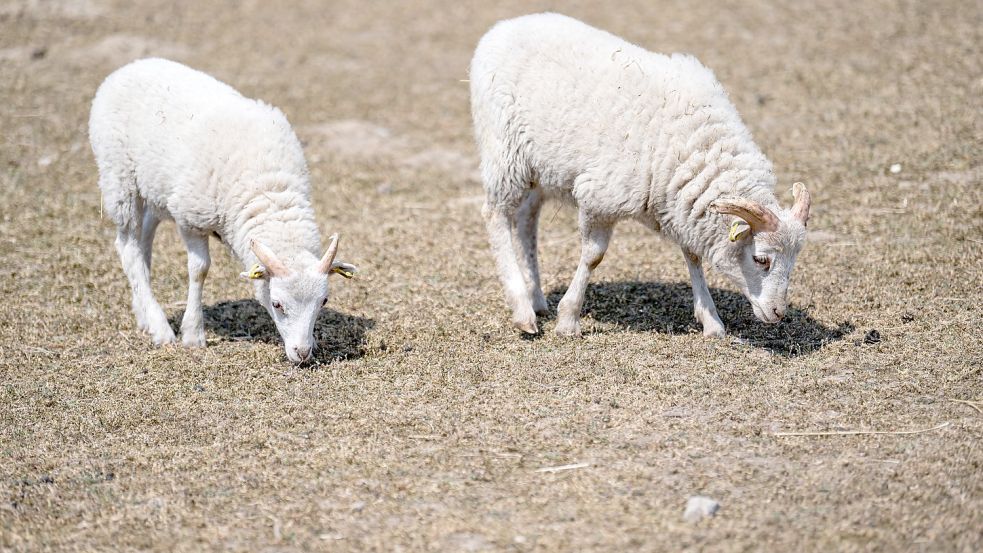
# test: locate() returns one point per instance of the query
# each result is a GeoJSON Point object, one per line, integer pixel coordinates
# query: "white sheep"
{"type": "Point", "coordinates": [564, 110]}
{"type": "Point", "coordinates": [174, 143]}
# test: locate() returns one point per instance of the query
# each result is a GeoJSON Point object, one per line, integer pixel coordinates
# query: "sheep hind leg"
{"type": "Point", "coordinates": [595, 236]}
{"type": "Point", "coordinates": [147, 233]}
{"type": "Point", "coordinates": [192, 324]}
{"type": "Point", "coordinates": [150, 316]}
{"type": "Point", "coordinates": [703, 306]}
{"type": "Point", "coordinates": [499, 223]}
{"type": "Point", "coordinates": [527, 226]}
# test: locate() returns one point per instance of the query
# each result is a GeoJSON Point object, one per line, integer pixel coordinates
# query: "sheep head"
{"type": "Point", "coordinates": [760, 250]}
{"type": "Point", "coordinates": [294, 292]}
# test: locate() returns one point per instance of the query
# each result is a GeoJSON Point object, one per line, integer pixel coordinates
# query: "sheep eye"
{"type": "Point", "coordinates": [324, 302]}
{"type": "Point", "coordinates": [763, 261]}
{"type": "Point", "coordinates": [278, 306]}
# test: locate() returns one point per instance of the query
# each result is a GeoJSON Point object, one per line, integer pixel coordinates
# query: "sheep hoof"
{"type": "Point", "coordinates": [193, 340]}
{"type": "Point", "coordinates": [163, 336]}
{"type": "Point", "coordinates": [714, 331]}
{"type": "Point", "coordinates": [528, 327]}
{"type": "Point", "coordinates": [568, 329]}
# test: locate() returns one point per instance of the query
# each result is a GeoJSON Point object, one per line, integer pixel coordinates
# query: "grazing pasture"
{"type": "Point", "coordinates": [426, 421]}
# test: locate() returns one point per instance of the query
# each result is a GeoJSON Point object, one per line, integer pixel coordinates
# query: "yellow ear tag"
{"type": "Point", "coordinates": [341, 271]}
{"type": "Point", "coordinates": [256, 272]}
{"type": "Point", "coordinates": [736, 232]}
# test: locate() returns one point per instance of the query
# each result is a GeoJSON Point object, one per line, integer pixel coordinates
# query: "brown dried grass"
{"type": "Point", "coordinates": [425, 418]}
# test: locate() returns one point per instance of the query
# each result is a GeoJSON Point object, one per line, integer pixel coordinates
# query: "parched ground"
{"type": "Point", "coordinates": [426, 418]}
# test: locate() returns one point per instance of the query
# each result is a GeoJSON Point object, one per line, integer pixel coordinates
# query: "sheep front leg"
{"type": "Point", "coordinates": [192, 325]}
{"type": "Point", "coordinates": [595, 236]}
{"type": "Point", "coordinates": [703, 307]}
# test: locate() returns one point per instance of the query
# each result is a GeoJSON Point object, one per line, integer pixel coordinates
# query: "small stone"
{"type": "Point", "coordinates": [895, 168]}
{"type": "Point", "coordinates": [699, 507]}
{"type": "Point", "coordinates": [872, 336]}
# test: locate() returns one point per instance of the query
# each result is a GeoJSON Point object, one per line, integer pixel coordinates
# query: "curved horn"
{"type": "Point", "coordinates": [800, 210]}
{"type": "Point", "coordinates": [269, 260]}
{"type": "Point", "coordinates": [325, 265]}
{"type": "Point", "coordinates": [759, 217]}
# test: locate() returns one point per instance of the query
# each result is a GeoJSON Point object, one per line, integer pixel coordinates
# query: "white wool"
{"type": "Point", "coordinates": [564, 110]}
{"type": "Point", "coordinates": [174, 143]}
{"type": "Point", "coordinates": [204, 155]}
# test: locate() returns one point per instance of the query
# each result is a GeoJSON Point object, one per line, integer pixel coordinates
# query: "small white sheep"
{"type": "Point", "coordinates": [174, 143]}
{"type": "Point", "coordinates": [564, 110]}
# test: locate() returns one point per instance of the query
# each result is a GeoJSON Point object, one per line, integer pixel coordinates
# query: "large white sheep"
{"type": "Point", "coordinates": [174, 143]}
{"type": "Point", "coordinates": [564, 110]}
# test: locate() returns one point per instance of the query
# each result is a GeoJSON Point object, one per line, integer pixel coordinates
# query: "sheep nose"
{"type": "Point", "coordinates": [779, 313]}
{"type": "Point", "coordinates": [302, 353]}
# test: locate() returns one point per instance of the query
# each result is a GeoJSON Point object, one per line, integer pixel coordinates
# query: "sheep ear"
{"type": "Point", "coordinates": [757, 216]}
{"type": "Point", "coordinates": [803, 200]}
{"type": "Point", "coordinates": [346, 270]}
{"type": "Point", "coordinates": [326, 262]}
{"type": "Point", "coordinates": [255, 272]}
{"type": "Point", "coordinates": [738, 231]}
{"type": "Point", "coordinates": [272, 265]}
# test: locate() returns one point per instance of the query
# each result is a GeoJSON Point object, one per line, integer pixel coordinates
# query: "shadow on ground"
{"type": "Point", "coordinates": [337, 335]}
{"type": "Point", "coordinates": [668, 308]}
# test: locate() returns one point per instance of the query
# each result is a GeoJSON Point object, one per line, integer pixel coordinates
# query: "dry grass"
{"type": "Point", "coordinates": [424, 422]}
